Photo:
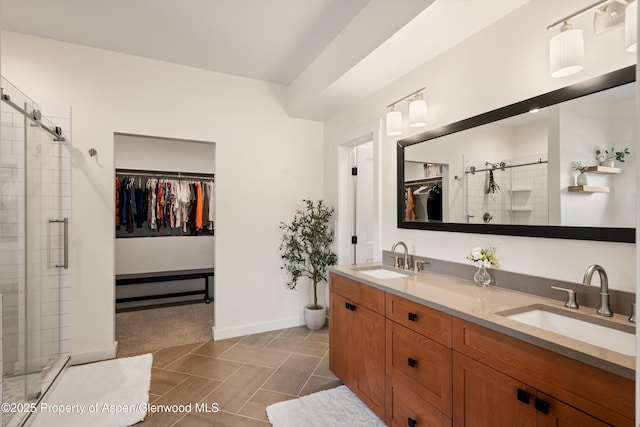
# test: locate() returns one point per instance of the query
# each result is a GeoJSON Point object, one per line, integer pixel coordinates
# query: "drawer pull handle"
{"type": "Point", "coordinates": [349, 306]}
{"type": "Point", "coordinates": [523, 396]}
{"type": "Point", "coordinates": [411, 422]}
{"type": "Point", "coordinates": [412, 316]}
{"type": "Point", "coordinates": [412, 362]}
{"type": "Point", "coordinates": [542, 406]}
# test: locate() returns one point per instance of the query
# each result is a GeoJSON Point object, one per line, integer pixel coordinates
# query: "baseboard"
{"type": "Point", "coordinates": [94, 355]}
{"type": "Point", "coordinates": [256, 328]}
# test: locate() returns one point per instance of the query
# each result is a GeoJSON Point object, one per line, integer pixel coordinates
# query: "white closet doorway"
{"type": "Point", "coordinates": [164, 241]}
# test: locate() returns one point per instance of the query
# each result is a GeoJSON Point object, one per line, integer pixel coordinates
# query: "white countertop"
{"type": "Point", "coordinates": [466, 300]}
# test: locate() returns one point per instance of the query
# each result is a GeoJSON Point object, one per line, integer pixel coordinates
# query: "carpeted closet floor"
{"type": "Point", "coordinates": [157, 328]}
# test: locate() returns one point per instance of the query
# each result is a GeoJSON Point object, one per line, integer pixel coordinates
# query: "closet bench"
{"type": "Point", "coordinates": [166, 276]}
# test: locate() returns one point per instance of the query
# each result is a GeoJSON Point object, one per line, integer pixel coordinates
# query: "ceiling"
{"type": "Point", "coordinates": [329, 53]}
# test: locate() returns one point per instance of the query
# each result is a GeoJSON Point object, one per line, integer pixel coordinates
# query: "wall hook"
{"type": "Point", "coordinates": [92, 152]}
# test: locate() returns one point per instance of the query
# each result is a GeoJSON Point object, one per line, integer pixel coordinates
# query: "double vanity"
{"type": "Point", "coordinates": [426, 349]}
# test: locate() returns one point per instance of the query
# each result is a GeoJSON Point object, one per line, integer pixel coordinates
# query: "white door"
{"type": "Point", "coordinates": [363, 204]}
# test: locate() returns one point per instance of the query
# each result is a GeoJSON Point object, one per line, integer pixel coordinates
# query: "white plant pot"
{"type": "Point", "coordinates": [315, 319]}
{"type": "Point", "coordinates": [608, 163]}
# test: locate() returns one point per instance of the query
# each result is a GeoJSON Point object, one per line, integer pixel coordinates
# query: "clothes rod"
{"type": "Point", "coordinates": [56, 132]}
{"type": "Point", "coordinates": [160, 174]}
{"type": "Point", "coordinates": [473, 171]}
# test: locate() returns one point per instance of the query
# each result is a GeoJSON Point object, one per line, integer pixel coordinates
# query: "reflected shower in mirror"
{"type": "Point", "coordinates": [518, 173]}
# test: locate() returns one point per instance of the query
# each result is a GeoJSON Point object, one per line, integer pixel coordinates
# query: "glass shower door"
{"type": "Point", "coordinates": [33, 352]}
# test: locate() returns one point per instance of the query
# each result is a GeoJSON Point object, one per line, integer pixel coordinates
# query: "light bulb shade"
{"type": "Point", "coordinates": [631, 27]}
{"type": "Point", "coordinates": [418, 113]}
{"type": "Point", "coordinates": [567, 53]}
{"type": "Point", "coordinates": [394, 123]}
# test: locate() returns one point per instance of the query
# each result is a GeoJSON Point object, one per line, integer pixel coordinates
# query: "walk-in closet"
{"type": "Point", "coordinates": [164, 219]}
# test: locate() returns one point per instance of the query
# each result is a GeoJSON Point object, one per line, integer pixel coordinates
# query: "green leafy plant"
{"type": "Point", "coordinates": [306, 245]}
{"type": "Point", "coordinates": [612, 154]}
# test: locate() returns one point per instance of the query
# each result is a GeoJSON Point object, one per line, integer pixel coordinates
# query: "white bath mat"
{"type": "Point", "coordinates": [337, 407]}
{"type": "Point", "coordinates": [113, 393]}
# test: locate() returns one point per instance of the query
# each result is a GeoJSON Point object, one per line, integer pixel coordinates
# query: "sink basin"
{"type": "Point", "coordinates": [602, 333]}
{"type": "Point", "coordinates": [382, 273]}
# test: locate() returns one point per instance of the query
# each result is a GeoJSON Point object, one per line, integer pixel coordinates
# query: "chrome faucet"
{"type": "Point", "coordinates": [406, 254]}
{"type": "Point", "coordinates": [605, 308]}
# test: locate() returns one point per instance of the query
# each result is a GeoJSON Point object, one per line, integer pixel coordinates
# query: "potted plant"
{"type": "Point", "coordinates": [609, 157]}
{"type": "Point", "coordinates": [306, 252]}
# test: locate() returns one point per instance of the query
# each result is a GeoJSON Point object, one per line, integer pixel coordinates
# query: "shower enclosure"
{"type": "Point", "coordinates": [508, 191]}
{"type": "Point", "coordinates": [35, 207]}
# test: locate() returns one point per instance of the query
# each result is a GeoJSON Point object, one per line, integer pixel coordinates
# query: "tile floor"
{"type": "Point", "coordinates": [242, 375]}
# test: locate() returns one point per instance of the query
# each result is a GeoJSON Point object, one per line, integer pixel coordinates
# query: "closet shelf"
{"type": "Point", "coordinates": [588, 189]}
{"type": "Point", "coordinates": [423, 181]}
{"type": "Point", "coordinates": [602, 170]}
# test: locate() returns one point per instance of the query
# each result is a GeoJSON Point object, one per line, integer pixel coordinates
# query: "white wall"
{"type": "Point", "coordinates": [260, 152]}
{"type": "Point", "coordinates": [503, 64]}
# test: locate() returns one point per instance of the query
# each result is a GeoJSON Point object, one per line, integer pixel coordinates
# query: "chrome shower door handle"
{"type": "Point", "coordinates": [65, 221]}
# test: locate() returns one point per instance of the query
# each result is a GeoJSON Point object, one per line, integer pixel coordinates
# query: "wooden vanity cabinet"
{"type": "Point", "coordinates": [357, 344]}
{"type": "Point", "coordinates": [416, 366]}
{"type": "Point", "coordinates": [500, 380]}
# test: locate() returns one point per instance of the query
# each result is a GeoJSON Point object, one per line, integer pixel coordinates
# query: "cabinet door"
{"type": "Point", "coordinates": [553, 413]}
{"type": "Point", "coordinates": [367, 361]}
{"type": "Point", "coordinates": [339, 330]}
{"type": "Point", "coordinates": [484, 397]}
{"type": "Point", "coordinates": [420, 364]}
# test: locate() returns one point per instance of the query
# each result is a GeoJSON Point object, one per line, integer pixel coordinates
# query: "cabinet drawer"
{"type": "Point", "coordinates": [405, 408]}
{"type": "Point", "coordinates": [359, 293]}
{"type": "Point", "coordinates": [602, 394]}
{"type": "Point", "coordinates": [424, 320]}
{"type": "Point", "coordinates": [419, 364]}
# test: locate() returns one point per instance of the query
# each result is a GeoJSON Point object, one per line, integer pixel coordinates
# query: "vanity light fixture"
{"type": "Point", "coordinates": [566, 49]}
{"type": "Point", "coordinates": [394, 122]}
{"type": "Point", "coordinates": [417, 113]}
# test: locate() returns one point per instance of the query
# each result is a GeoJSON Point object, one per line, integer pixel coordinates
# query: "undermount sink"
{"type": "Point", "coordinates": [380, 272]}
{"type": "Point", "coordinates": [600, 332]}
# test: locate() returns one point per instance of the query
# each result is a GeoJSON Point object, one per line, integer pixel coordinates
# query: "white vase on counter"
{"type": "Point", "coordinates": [482, 277]}
{"type": "Point", "coordinates": [609, 163]}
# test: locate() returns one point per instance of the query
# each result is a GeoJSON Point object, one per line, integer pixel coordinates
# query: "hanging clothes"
{"type": "Point", "coordinates": [186, 206]}
{"type": "Point", "coordinates": [199, 206]}
{"type": "Point", "coordinates": [434, 203]}
{"type": "Point", "coordinates": [212, 198]}
{"type": "Point", "coordinates": [124, 199]}
{"type": "Point", "coordinates": [205, 205]}
{"type": "Point", "coordinates": [410, 210]}
{"type": "Point", "coordinates": [131, 205]}
{"type": "Point", "coordinates": [118, 183]}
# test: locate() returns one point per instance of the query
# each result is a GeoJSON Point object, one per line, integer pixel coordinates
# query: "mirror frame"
{"type": "Point", "coordinates": [604, 234]}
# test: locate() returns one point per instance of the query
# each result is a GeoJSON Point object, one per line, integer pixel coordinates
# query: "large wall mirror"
{"type": "Point", "coordinates": [531, 168]}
